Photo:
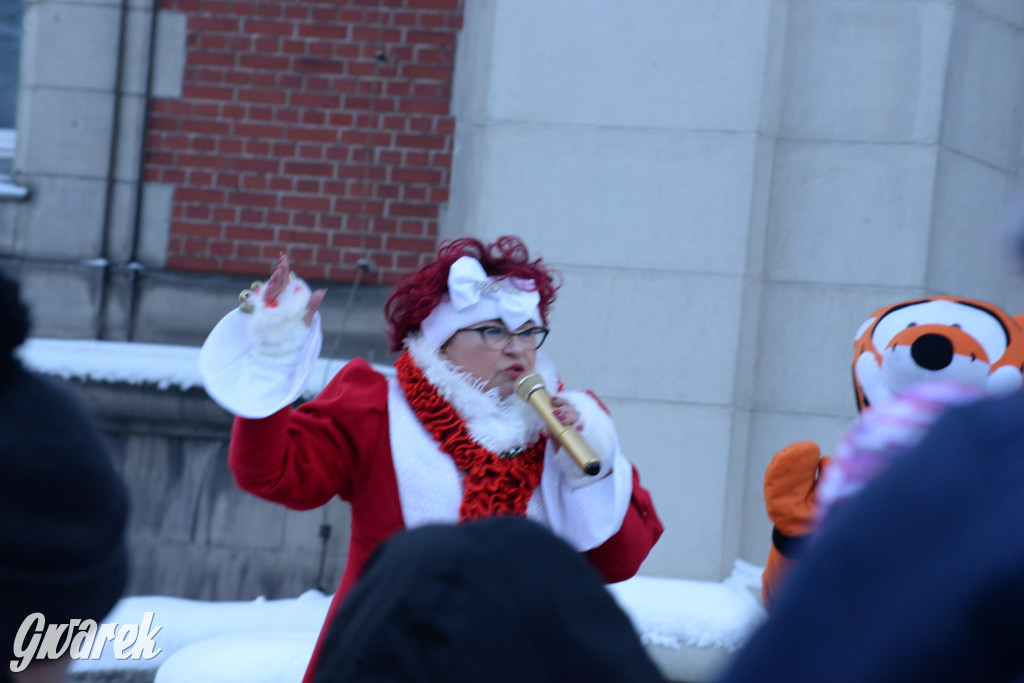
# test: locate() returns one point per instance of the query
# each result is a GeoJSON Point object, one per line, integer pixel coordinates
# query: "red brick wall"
{"type": "Point", "coordinates": [319, 127]}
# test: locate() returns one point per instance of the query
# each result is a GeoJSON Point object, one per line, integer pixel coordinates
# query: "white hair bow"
{"type": "Point", "coordinates": [515, 301]}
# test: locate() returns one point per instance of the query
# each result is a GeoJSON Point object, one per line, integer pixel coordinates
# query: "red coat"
{"type": "Point", "coordinates": [339, 444]}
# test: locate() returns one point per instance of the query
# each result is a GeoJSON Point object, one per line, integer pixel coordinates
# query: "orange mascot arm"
{"type": "Point", "coordinates": [789, 485]}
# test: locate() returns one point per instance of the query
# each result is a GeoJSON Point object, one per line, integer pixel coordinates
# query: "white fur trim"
{"type": "Point", "coordinates": [254, 364]}
{"type": "Point", "coordinates": [585, 516]}
{"type": "Point", "coordinates": [430, 486]}
{"type": "Point", "coordinates": [495, 423]}
{"type": "Point", "coordinates": [251, 384]}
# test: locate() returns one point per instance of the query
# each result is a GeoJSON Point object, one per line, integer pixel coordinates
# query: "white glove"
{"type": "Point", "coordinates": [277, 329]}
{"type": "Point", "coordinates": [597, 429]}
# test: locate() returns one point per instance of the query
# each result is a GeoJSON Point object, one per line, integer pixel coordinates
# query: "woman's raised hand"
{"type": "Point", "coordinates": [279, 278]}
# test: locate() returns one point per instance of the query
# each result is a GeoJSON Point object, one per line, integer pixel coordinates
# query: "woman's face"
{"type": "Point", "coordinates": [496, 364]}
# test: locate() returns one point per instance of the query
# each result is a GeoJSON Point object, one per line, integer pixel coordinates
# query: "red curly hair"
{"type": "Point", "coordinates": [419, 292]}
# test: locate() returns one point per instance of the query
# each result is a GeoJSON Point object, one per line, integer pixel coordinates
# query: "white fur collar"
{"type": "Point", "coordinates": [495, 423]}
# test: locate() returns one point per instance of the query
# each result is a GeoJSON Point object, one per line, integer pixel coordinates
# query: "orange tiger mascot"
{"type": "Point", "coordinates": [940, 338]}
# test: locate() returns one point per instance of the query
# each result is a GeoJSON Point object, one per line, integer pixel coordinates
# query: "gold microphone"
{"type": "Point", "coordinates": [530, 388]}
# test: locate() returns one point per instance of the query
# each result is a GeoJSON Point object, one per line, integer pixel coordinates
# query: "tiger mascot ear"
{"type": "Point", "coordinates": [940, 338]}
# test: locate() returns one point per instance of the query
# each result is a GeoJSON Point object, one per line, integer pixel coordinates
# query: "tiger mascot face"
{"type": "Point", "coordinates": [941, 338]}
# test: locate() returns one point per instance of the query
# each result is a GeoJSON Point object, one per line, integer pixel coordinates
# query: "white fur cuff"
{"type": "Point", "coordinates": [254, 364]}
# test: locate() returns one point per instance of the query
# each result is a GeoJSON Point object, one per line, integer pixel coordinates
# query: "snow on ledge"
{"type": "Point", "coordinates": [161, 365]}
{"type": "Point", "coordinates": [185, 622]}
{"type": "Point", "coordinates": [688, 627]}
{"type": "Point", "coordinates": [674, 613]}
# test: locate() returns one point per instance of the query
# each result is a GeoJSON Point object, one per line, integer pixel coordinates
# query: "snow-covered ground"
{"type": "Point", "coordinates": [688, 627]}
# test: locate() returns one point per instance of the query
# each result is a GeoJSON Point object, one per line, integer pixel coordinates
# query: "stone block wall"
{"type": "Point", "coordinates": [729, 189]}
{"type": "Point", "coordinates": [192, 532]}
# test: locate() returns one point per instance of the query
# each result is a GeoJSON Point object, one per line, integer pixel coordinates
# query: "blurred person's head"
{"type": "Point", "coordinates": [14, 324]}
{"type": "Point", "coordinates": [62, 505]}
{"type": "Point", "coordinates": [501, 599]}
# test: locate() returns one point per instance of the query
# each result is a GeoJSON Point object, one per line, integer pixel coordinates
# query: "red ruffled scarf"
{"type": "Point", "coordinates": [492, 485]}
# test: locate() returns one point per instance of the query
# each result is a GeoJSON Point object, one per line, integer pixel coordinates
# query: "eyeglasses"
{"type": "Point", "coordinates": [496, 338]}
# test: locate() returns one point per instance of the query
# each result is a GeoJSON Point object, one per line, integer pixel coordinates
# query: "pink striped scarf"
{"type": "Point", "coordinates": [883, 433]}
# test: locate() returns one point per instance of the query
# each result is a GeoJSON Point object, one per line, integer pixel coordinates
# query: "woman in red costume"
{"type": "Point", "coordinates": [446, 440]}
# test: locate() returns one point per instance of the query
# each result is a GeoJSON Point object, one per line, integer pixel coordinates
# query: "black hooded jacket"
{"type": "Point", "coordinates": [63, 506]}
{"type": "Point", "coordinates": [920, 576]}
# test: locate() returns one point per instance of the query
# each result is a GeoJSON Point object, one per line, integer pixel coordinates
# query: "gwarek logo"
{"type": "Point", "coordinates": [32, 643]}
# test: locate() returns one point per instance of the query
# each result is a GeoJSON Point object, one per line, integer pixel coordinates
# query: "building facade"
{"type": "Point", "coordinates": [729, 189]}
